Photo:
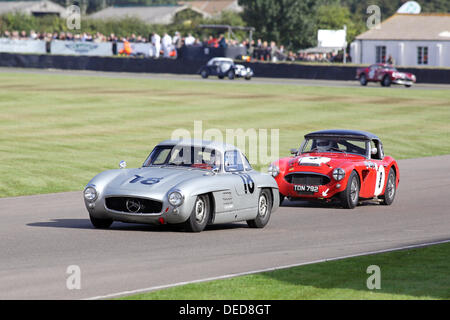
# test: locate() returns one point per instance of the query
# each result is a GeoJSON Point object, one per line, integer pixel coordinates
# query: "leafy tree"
{"type": "Point", "coordinates": [289, 22]}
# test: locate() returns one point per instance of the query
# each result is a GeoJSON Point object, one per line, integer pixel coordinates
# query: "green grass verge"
{"type": "Point", "coordinates": [58, 131]}
{"type": "Point", "coordinates": [411, 274]}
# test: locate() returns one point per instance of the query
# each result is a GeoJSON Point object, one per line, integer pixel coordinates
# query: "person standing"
{"type": "Point", "coordinates": [166, 45]}
{"type": "Point", "coordinates": [156, 45]}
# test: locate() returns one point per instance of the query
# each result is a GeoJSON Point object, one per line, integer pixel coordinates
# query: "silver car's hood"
{"type": "Point", "coordinates": [153, 180]}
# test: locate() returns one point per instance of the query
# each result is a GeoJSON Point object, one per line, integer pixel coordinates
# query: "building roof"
{"type": "Point", "coordinates": [355, 134]}
{"type": "Point", "coordinates": [214, 7]}
{"type": "Point", "coordinates": [432, 26]}
{"type": "Point", "coordinates": [31, 7]}
{"type": "Point", "coordinates": [149, 14]}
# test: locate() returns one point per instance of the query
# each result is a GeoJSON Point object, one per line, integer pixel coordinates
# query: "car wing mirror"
{"type": "Point", "coordinates": [122, 164]}
{"type": "Point", "coordinates": [294, 151]}
{"type": "Point", "coordinates": [216, 170]}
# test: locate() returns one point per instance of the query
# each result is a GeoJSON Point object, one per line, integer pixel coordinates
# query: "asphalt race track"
{"type": "Point", "coordinates": [255, 80]}
{"type": "Point", "coordinates": [42, 235]}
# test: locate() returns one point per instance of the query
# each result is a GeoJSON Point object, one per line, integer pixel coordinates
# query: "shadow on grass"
{"type": "Point", "coordinates": [422, 273]}
{"type": "Point", "coordinates": [119, 226]}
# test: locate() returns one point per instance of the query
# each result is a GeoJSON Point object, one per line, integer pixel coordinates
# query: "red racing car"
{"type": "Point", "coordinates": [344, 165]}
{"type": "Point", "coordinates": [385, 74]}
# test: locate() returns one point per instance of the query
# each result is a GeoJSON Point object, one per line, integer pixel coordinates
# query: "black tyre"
{"type": "Point", "coordinates": [390, 191]}
{"type": "Point", "coordinates": [386, 81]}
{"type": "Point", "coordinates": [281, 198]}
{"type": "Point", "coordinates": [230, 74]}
{"type": "Point", "coordinates": [350, 196]}
{"type": "Point", "coordinates": [221, 77]}
{"type": "Point", "coordinates": [248, 78]}
{"type": "Point", "coordinates": [100, 223]}
{"type": "Point", "coordinates": [264, 210]}
{"type": "Point", "coordinates": [200, 214]}
{"type": "Point", "coordinates": [204, 74]}
{"type": "Point", "coordinates": [363, 80]}
{"type": "Point", "coordinates": [408, 85]}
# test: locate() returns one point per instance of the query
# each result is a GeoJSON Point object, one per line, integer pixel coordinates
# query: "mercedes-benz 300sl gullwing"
{"type": "Point", "coordinates": [343, 165]}
{"type": "Point", "coordinates": [185, 182]}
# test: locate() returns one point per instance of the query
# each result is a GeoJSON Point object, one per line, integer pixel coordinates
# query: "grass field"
{"type": "Point", "coordinates": [58, 131]}
{"type": "Point", "coordinates": [412, 274]}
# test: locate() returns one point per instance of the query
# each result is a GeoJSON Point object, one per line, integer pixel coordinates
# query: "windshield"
{"type": "Point", "coordinates": [343, 145]}
{"type": "Point", "coordinates": [184, 156]}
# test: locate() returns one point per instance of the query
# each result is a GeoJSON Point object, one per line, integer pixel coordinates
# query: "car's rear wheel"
{"type": "Point", "coordinates": [220, 77]}
{"type": "Point", "coordinates": [204, 73]}
{"type": "Point", "coordinates": [248, 78]}
{"type": "Point", "coordinates": [363, 80]}
{"type": "Point", "coordinates": [100, 223]}
{"type": "Point", "coordinates": [408, 85]}
{"type": "Point", "coordinates": [386, 81]}
{"type": "Point", "coordinates": [264, 210]}
{"type": "Point", "coordinates": [350, 196]}
{"type": "Point", "coordinates": [391, 190]}
{"type": "Point", "coordinates": [200, 214]}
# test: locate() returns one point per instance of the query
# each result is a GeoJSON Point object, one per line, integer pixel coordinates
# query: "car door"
{"type": "Point", "coordinates": [376, 176]}
{"type": "Point", "coordinates": [245, 188]}
{"type": "Point", "coordinates": [372, 73]}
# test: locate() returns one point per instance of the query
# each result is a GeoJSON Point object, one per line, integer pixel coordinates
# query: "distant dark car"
{"type": "Point", "coordinates": [386, 74]}
{"type": "Point", "coordinates": [225, 67]}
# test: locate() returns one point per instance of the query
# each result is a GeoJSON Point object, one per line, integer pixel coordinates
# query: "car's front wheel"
{"type": "Point", "coordinates": [248, 78]}
{"type": "Point", "coordinates": [391, 190]}
{"type": "Point", "coordinates": [100, 223]}
{"type": "Point", "coordinates": [231, 75]}
{"type": "Point", "coordinates": [350, 196]}
{"type": "Point", "coordinates": [264, 210]}
{"type": "Point", "coordinates": [200, 214]}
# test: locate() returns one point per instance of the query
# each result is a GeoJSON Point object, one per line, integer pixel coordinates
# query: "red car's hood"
{"type": "Point", "coordinates": [323, 162]}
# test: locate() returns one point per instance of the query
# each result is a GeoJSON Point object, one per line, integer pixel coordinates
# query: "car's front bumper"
{"type": "Point", "coordinates": [403, 82]}
{"type": "Point", "coordinates": [168, 214]}
{"type": "Point", "coordinates": [324, 192]}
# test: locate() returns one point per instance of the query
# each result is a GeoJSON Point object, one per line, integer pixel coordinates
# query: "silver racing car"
{"type": "Point", "coordinates": [189, 182]}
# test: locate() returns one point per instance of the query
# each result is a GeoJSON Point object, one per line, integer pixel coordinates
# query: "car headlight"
{"type": "Point", "coordinates": [90, 194]}
{"type": "Point", "coordinates": [338, 174]}
{"type": "Point", "coordinates": [175, 198]}
{"type": "Point", "coordinates": [273, 170]}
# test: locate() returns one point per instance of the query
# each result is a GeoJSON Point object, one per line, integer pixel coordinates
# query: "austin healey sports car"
{"type": "Point", "coordinates": [385, 74]}
{"type": "Point", "coordinates": [186, 182]}
{"type": "Point", "coordinates": [344, 165]}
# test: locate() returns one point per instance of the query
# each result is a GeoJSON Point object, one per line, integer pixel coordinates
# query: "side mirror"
{"type": "Point", "coordinates": [294, 151]}
{"type": "Point", "coordinates": [216, 170]}
{"type": "Point", "coordinates": [122, 164]}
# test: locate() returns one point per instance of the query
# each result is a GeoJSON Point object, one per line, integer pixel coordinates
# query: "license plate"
{"type": "Point", "coordinates": [306, 189]}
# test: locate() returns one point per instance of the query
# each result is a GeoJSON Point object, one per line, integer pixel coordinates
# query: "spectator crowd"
{"type": "Point", "coordinates": [167, 46]}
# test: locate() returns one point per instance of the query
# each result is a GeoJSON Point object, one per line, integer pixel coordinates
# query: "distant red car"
{"type": "Point", "coordinates": [344, 165]}
{"type": "Point", "coordinates": [386, 74]}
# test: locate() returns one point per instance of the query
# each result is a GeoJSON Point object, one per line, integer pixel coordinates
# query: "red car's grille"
{"type": "Point", "coordinates": [309, 179]}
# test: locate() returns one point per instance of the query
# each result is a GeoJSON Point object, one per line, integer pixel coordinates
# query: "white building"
{"type": "Point", "coordinates": [411, 40]}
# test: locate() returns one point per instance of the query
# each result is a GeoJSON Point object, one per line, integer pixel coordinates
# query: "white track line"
{"type": "Point", "coordinates": [233, 275]}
